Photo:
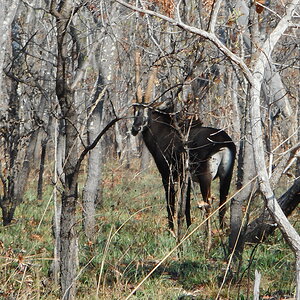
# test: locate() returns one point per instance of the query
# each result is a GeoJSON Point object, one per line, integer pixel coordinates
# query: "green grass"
{"type": "Point", "coordinates": [132, 238]}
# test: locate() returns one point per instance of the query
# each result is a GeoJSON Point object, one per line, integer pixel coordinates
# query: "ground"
{"type": "Point", "coordinates": [132, 239]}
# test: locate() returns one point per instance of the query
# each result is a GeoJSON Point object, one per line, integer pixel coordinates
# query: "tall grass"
{"type": "Point", "coordinates": [132, 239]}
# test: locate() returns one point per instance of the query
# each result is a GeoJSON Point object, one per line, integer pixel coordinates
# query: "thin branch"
{"type": "Point", "coordinates": [178, 11]}
{"type": "Point", "coordinates": [284, 164]}
{"type": "Point", "coordinates": [214, 15]}
{"type": "Point", "coordinates": [54, 11]}
{"type": "Point", "coordinates": [207, 35]}
{"type": "Point", "coordinates": [94, 143]}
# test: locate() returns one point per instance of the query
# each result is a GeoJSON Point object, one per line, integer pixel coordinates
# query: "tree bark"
{"type": "Point", "coordinates": [55, 266]}
{"type": "Point", "coordinates": [145, 158]}
{"type": "Point", "coordinates": [41, 169]}
{"type": "Point", "coordinates": [7, 16]}
{"type": "Point", "coordinates": [106, 80]}
{"type": "Point", "coordinates": [92, 184]}
{"type": "Point", "coordinates": [19, 148]}
{"type": "Point", "coordinates": [245, 183]}
{"type": "Point", "coordinates": [92, 188]}
{"type": "Point", "coordinates": [65, 96]}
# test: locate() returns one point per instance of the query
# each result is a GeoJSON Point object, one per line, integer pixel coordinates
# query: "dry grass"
{"type": "Point", "coordinates": [132, 238]}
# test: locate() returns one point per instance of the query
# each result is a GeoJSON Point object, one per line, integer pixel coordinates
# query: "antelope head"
{"type": "Point", "coordinates": [141, 107]}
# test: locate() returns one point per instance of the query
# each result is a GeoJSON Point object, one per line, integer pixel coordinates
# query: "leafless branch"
{"type": "Point", "coordinates": [214, 15]}
{"type": "Point", "coordinates": [207, 35]}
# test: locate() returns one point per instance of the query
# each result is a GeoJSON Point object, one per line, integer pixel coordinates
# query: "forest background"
{"type": "Point", "coordinates": [78, 222]}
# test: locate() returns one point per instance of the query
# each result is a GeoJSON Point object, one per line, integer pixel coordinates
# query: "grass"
{"type": "Point", "coordinates": [132, 238]}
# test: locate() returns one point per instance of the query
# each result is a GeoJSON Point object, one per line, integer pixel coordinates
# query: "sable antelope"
{"type": "Point", "coordinates": [211, 151]}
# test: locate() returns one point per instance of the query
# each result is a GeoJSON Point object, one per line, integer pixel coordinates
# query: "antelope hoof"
{"type": "Point", "coordinates": [203, 205]}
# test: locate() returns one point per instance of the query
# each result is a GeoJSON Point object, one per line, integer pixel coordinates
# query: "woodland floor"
{"type": "Point", "coordinates": [132, 238]}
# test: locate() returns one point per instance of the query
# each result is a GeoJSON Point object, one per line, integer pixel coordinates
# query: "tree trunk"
{"type": "Point", "coordinates": [41, 169]}
{"type": "Point", "coordinates": [92, 184]}
{"type": "Point", "coordinates": [183, 195]}
{"type": "Point", "coordinates": [245, 175]}
{"type": "Point", "coordinates": [7, 14]}
{"type": "Point", "coordinates": [68, 234]}
{"type": "Point", "coordinates": [19, 148]}
{"type": "Point", "coordinates": [55, 266]}
{"type": "Point", "coordinates": [145, 158]}
{"type": "Point", "coordinates": [106, 78]}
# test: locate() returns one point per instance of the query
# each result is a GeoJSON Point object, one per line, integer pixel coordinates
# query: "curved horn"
{"type": "Point", "coordinates": [151, 82]}
{"type": "Point", "coordinates": [139, 93]}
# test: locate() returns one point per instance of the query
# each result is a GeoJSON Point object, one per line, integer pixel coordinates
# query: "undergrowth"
{"type": "Point", "coordinates": [132, 239]}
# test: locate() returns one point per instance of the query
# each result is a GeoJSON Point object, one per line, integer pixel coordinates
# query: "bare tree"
{"type": "Point", "coordinates": [20, 125]}
{"type": "Point", "coordinates": [7, 14]}
{"type": "Point", "coordinates": [68, 236]}
{"type": "Point", "coordinates": [66, 84]}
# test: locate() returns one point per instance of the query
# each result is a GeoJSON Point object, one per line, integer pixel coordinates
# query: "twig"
{"type": "Point", "coordinates": [94, 143]}
{"type": "Point", "coordinates": [214, 15]}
